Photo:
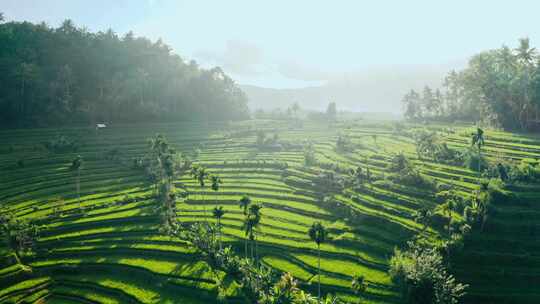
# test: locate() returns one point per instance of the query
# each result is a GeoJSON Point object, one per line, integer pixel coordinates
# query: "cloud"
{"type": "Point", "coordinates": [294, 70]}
{"type": "Point", "coordinates": [239, 57]}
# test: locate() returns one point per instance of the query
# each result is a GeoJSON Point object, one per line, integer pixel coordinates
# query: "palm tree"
{"type": "Point", "coordinates": [218, 214]}
{"type": "Point", "coordinates": [525, 52]}
{"type": "Point", "coordinates": [448, 207]}
{"type": "Point", "coordinates": [248, 232]}
{"type": "Point", "coordinates": [478, 141]}
{"type": "Point", "coordinates": [317, 233]}
{"type": "Point", "coordinates": [358, 284]}
{"type": "Point", "coordinates": [216, 181]}
{"type": "Point", "coordinates": [76, 165]}
{"type": "Point", "coordinates": [245, 201]}
{"type": "Point", "coordinates": [255, 214]}
{"type": "Point", "coordinates": [423, 216]}
{"type": "Point", "coordinates": [200, 175]}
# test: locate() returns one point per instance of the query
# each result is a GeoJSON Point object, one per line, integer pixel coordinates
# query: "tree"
{"type": "Point", "coordinates": [244, 202]}
{"type": "Point", "coordinates": [317, 233]}
{"type": "Point", "coordinates": [216, 181]}
{"type": "Point", "coordinates": [477, 140]}
{"type": "Point", "coordinates": [331, 111]}
{"type": "Point", "coordinates": [200, 175]}
{"type": "Point", "coordinates": [76, 165]}
{"type": "Point", "coordinates": [423, 216]}
{"type": "Point", "coordinates": [525, 52]}
{"type": "Point", "coordinates": [218, 213]}
{"type": "Point", "coordinates": [295, 108]}
{"type": "Point", "coordinates": [19, 236]}
{"type": "Point", "coordinates": [413, 108]}
{"type": "Point", "coordinates": [359, 284]}
{"type": "Point", "coordinates": [1, 16]}
{"type": "Point", "coordinates": [420, 273]}
{"type": "Point", "coordinates": [251, 223]}
{"type": "Point", "coordinates": [67, 75]}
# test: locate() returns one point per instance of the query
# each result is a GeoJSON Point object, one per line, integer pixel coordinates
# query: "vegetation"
{"type": "Point", "coordinates": [369, 211]}
{"type": "Point", "coordinates": [499, 87]}
{"type": "Point", "coordinates": [68, 75]}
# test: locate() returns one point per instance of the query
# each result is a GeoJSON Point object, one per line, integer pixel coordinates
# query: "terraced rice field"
{"type": "Point", "coordinates": [112, 252]}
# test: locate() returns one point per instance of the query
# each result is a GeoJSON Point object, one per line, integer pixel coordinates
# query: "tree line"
{"type": "Point", "coordinates": [499, 87]}
{"type": "Point", "coordinates": [68, 75]}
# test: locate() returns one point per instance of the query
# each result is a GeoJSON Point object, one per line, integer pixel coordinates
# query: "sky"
{"type": "Point", "coordinates": [293, 44]}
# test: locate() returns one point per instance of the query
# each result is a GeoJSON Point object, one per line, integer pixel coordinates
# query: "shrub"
{"type": "Point", "coordinates": [420, 273]}
{"type": "Point", "coordinates": [471, 160]}
{"type": "Point", "coordinates": [61, 144]}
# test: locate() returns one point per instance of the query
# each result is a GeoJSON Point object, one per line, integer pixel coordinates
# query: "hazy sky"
{"type": "Point", "coordinates": [298, 43]}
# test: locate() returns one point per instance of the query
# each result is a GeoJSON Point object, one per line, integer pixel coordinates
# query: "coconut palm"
{"type": "Point", "coordinates": [218, 213]}
{"type": "Point", "coordinates": [423, 216]}
{"type": "Point", "coordinates": [447, 208]}
{"type": "Point", "coordinates": [524, 51]}
{"type": "Point", "coordinates": [216, 181]}
{"type": "Point", "coordinates": [477, 140]}
{"type": "Point", "coordinates": [245, 201]}
{"type": "Point", "coordinates": [200, 176]}
{"type": "Point", "coordinates": [358, 284]}
{"type": "Point", "coordinates": [317, 233]}
{"type": "Point", "coordinates": [76, 165]}
{"type": "Point", "coordinates": [254, 218]}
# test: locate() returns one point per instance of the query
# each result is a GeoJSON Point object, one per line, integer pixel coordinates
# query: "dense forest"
{"type": "Point", "coordinates": [499, 87]}
{"type": "Point", "coordinates": [67, 75]}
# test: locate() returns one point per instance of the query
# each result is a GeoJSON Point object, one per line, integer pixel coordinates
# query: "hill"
{"type": "Point", "coordinates": [68, 75]}
{"type": "Point", "coordinates": [372, 90]}
{"type": "Point", "coordinates": [108, 248]}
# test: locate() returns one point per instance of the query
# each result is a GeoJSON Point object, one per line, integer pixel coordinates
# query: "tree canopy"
{"type": "Point", "coordinates": [67, 75]}
{"type": "Point", "coordinates": [500, 87]}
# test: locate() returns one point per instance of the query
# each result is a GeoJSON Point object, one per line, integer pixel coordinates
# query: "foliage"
{"type": "Point", "coordinates": [67, 75]}
{"type": "Point", "coordinates": [420, 273]}
{"type": "Point", "coordinates": [309, 155]}
{"type": "Point", "coordinates": [474, 161]}
{"type": "Point", "coordinates": [430, 145]}
{"type": "Point", "coordinates": [61, 144]}
{"type": "Point", "coordinates": [344, 144]}
{"type": "Point", "coordinates": [19, 235]}
{"type": "Point", "coordinates": [331, 111]}
{"type": "Point", "coordinates": [500, 87]}
{"type": "Point", "coordinates": [404, 172]}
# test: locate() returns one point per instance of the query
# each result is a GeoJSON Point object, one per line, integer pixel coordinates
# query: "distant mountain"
{"type": "Point", "coordinates": [375, 90]}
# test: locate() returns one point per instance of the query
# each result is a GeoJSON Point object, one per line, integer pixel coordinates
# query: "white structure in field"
{"type": "Point", "coordinates": [100, 126]}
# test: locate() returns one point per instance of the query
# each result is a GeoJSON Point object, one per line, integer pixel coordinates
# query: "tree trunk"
{"type": "Point", "coordinates": [219, 231]}
{"type": "Point", "coordinates": [319, 270]}
{"type": "Point", "coordinates": [79, 187]}
{"type": "Point", "coordinates": [252, 246]}
{"type": "Point", "coordinates": [256, 252]}
{"type": "Point", "coordinates": [246, 247]}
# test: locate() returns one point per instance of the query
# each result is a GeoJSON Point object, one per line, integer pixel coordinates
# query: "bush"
{"type": "Point", "coordinates": [61, 144]}
{"type": "Point", "coordinates": [472, 160]}
{"type": "Point", "coordinates": [420, 273]}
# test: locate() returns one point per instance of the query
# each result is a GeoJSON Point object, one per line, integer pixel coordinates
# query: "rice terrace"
{"type": "Point", "coordinates": [134, 178]}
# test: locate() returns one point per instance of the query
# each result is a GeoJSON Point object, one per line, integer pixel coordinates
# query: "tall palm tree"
{"type": "Point", "coordinates": [216, 181]}
{"type": "Point", "coordinates": [245, 201]}
{"type": "Point", "coordinates": [477, 141]}
{"type": "Point", "coordinates": [218, 213]}
{"type": "Point", "coordinates": [317, 233]}
{"type": "Point", "coordinates": [358, 284]}
{"type": "Point", "coordinates": [448, 207]}
{"type": "Point", "coordinates": [76, 165]}
{"type": "Point", "coordinates": [200, 176]}
{"type": "Point", "coordinates": [525, 52]}
{"type": "Point", "coordinates": [423, 216]}
{"type": "Point", "coordinates": [255, 213]}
